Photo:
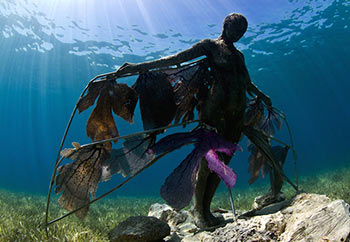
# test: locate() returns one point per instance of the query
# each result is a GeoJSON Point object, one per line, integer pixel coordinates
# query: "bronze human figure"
{"type": "Point", "coordinates": [225, 105]}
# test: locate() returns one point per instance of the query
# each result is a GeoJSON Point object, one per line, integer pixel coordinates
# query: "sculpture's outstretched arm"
{"type": "Point", "coordinates": [197, 50]}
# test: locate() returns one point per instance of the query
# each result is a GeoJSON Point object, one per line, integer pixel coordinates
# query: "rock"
{"type": "Point", "coordinates": [187, 228]}
{"type": "Point", "coordinates": [160, 211]}
{"type": "Point", "coordinates": [317, 218]}
{"type": "Point", "coordinates": [174, 237]}
{"type": "Point", "coordinates": [307, 217]}
{"type": "Point", "coordinates": [140, 229]}
{"type": "Point", "coordinates": [168, 215]}
{"type": "Point", "coordinates": [267, 199]}
{"type": "Point", "coordinates": [203, 236]}
{"type": "Point", "coordinates": [273, 208]}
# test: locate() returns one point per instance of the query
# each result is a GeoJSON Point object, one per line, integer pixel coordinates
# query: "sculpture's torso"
{"type": "Point", "coordinates": [226, 101]}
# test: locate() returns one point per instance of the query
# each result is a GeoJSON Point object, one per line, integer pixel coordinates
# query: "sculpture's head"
{"type": "Point", "coordinates": [234, 27]}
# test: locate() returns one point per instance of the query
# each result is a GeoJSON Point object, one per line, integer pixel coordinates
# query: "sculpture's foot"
{"type": "Point", "coordinates": [267, 199]}
{"type": "Point", "coordinates": [206, 220]}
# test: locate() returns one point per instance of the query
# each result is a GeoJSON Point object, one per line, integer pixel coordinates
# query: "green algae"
{"type": "Point", "coordinates": [22, 218]}
{"type": "Point", "coordinates": [22, 215]}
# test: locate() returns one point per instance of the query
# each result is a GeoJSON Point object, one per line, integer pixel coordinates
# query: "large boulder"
{"type": "Point", "coordinates": [167, 214]}
{"type": "Point", "coordinates": [181, 222]}
{"type": "Point", "coordinates": [306, 217]}
{"type": "Point", "coordinates": [314, 217]}
{"type": "Point", "coordinates": [140, 229]}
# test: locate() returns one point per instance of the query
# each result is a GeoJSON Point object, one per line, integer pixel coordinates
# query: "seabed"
{"type": "Point", "coordinates": [22, 215]}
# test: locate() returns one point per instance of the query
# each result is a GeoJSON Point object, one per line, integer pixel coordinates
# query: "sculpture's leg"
{"type": "Point", "coordinates": [212, 184]}
{"type": "Point", "coordinates": [275, 195]}
{"type": "Point", "coordinates": [276, 180]}
{"type": "Point", "coordinates": [272, 182]}
{"type": "Point", "coordinates": [276, 175]}
{"type": "Point", "coordinates": [201, 185]}
{"type": "Point", "coordinates": [230, 128]}
{"type": "Point", "coordinates": [207, 183]}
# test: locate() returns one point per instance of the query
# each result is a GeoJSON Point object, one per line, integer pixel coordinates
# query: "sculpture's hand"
{"type": "Point", "coordinates": [260, 94]}
{"type": "Point", "coordinates": [267, 101]}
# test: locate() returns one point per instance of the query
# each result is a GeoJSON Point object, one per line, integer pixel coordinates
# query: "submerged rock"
{"type": "Point", "coordinates": [181, 222]}
{"type": "Point", "coordinates": [307, 217]}
{"type": "Point", "coordinates": [167, 214]}
{"type": "Point", "coordinates": [140, 229]}
{"type": "Point", "coordinates": [314, 217]}
{"type": "Point", "coordinates": [267, 199]}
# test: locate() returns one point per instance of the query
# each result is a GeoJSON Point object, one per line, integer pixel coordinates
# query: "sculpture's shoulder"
{"type": "Point", "coordinates": [240, 53]}
{"type": "Point", "coordinates": [206, 44]}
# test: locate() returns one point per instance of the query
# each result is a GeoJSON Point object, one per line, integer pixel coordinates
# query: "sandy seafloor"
{"type": "Point", "coordinates": [22, 214]}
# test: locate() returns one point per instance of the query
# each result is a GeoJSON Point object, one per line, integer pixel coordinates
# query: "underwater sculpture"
{"type": "Point", "coordinates": [216, 86]}
{"type": "Point", "coordinates": [223, 105]}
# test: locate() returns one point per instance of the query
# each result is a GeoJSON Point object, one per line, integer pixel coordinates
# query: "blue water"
{"type": "Point", "coordinates": [297, 52]}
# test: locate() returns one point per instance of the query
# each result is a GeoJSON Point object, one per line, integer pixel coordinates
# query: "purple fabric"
{"type": "Point", "coordinates": [179, 186]}
{"type": "Point", "coordinates": [223, 171]}
{"type": "Point", "coordinates": [174, 141]}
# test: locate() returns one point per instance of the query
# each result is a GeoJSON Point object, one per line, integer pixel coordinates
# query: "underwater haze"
{"type": "Point", "coordinates": [297, 52]}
